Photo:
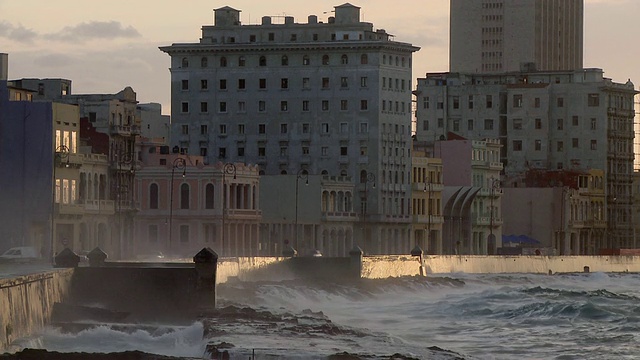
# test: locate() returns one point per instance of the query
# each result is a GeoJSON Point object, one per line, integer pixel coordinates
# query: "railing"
{"type": "Point", "coordinates": [339, 216]}
{"type": "Point", "coordinates": [99, 206]}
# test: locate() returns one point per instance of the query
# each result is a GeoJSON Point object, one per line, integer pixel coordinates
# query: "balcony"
{"type": "Point", "coordinates": [68, 209]}
{"type": "Point", "coordinates": [339, 216]}
{"type": "Point", "coordinates": [243, 214]}
{"type": "Point", "coordinates": [125, 130]}
{"type": "Point", "coordinates": [105, 207]}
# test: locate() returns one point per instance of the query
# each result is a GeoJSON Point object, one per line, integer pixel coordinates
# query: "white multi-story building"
{"type": "Point", "coordinates": [571, 121]}
{"type": "Point", "coordinates": [489, 36]}
{"type": "Point", "coordinates": [332, 98]}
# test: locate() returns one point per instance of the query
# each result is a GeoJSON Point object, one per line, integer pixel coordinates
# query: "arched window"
{"type": "Point", "coordinates": [403, 61]}
{"type": "Point", "coordinates": [204, 62]}
{"type": "Point", "coordinates": [263, 61]}
{"type": "Point", "coordinates": [223, 62]}
{"type": "Point", "coordinates": [153, 196]}
{"type": "Point", "coordinates": [305, 60]}
{"type": "Point", "coordinates": [209, 202]}
{"type": "Point", "coordinates": [344, 59]}
{"type": "Point", "coordinates": [325, 172]}
{"type": "Point", "coordinates": [397, 61]}
{"type": "Point", "coordinates": [325, 59]}
{"type": "Point", "coordinates": [185, 62]}
{"type": "Point", "coordinates": [241, 61]}
{"type": "Point", "coordinates": [184, 196]}
{"type": "Point", "coordinates": [285, 60]}
{"type": "Point", "coordinates": [364, 59]}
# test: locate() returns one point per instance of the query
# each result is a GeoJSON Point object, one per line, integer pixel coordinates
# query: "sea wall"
{"type": "Point", "coordinates": [26, 302]}
{"type": "Point", "coordinates": [375, 267]}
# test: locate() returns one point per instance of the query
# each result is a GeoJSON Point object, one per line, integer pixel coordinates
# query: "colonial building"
{"type": "Point", "coordinates": [332, 98]}
{"type": "Point", "coordinates": [495, 36]}
{"type": "Point", "coordinates": [426, 202]}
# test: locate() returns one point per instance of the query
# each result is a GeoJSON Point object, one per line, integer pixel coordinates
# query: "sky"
{"type": "Point", "coordinates": [104, 46]}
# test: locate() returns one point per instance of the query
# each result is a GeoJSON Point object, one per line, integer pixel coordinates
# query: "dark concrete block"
{"type": "Point", "coordinates": [67, 259]}
{"type": "Point", "coordinates": [96, 257]}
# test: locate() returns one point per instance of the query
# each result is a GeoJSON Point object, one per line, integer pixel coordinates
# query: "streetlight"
{"type": "Point", "coordinates": [179, 164]}
{"type": "Point", "coordinates": [228, 168]}
{"type": "Point", "coordinates": [369, 178]}
{"type": "Point", "coordinates": [61, 154]}
{"type": "Point", "coordinates": [491, 240]}
{"type": "Point", "coordinates": [302, 174]}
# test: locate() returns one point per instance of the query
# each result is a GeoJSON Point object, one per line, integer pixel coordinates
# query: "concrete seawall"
{"type": "Point", "coordinates": [26, 302]}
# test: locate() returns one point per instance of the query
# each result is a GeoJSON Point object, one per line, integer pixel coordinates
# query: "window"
{"type": "Point", "coordinates": [242, 84]}
{"type": "Point", "coordinates": [593, 100]}
{"type": "Point", "coordinates": [204, 62]}
{"type": "Point", "coordinates": [538, 124]}
{"type": "Point", "coordinates": [594, 144]}
{"type": "Point", "coordinates": [262, 106]}
{"type": "Point", "coordinates": [284, 61]}
{"type": "Point", "coordinates": [344, 151]}
{"type": "Point", "coordinates": [470, 124]}
{"type": "Point", "coordinates": [223, 84]}
{"type": "Point", "coordinates": [305, 105]}
{"type": "Point", "coordinates": [185, 129]}
{"type": "Point", "coordinates": [325, 105]}
{"type": "Point", "coordinates": [364, 105]}
{"type": "Point", "coordinates": [325, 59]}
{"type": "Point", "coordinates": [456, 102]}
{"type": "Point", "coordinates": [324, 151]}
{"type": "Point", "coordinates": [185, 84]}
{"type": "Point", "coordinates": [575, 143]}
{"type": "Point", "coordinates": [344, 128]}
{"type": "Point", "coordinates": [344, 59]}
{"type": "Point", "coordinates": [440, 123]}
{"type": "Point", "coordinates": [489, 102]}
{"type": "Point", "coordinates": [262, 151]}
{"type": "Point", "coordinates": [517, 101]}
{"type": "Point", "coordinates": [209, 196]}
{"type": "Point", "coordinates": [305, 128]}
{"type": "Point", "coordinates": [384, 105]}
{"type": "Point", "coordinates": [344, 105]}
{"type": "Point", "coordinates": [344, 82]}
{"type": "Point", "coordinates": [242, 61]}
{"type": "Point", "coordinates": [593, 123]}
{"type": "Point", "coordinates": [325, 82]}
{"type": "Point", "coordinates": [204, 129]}
{"type": "Point", "coordinates": [272, 36]}
{"type": "Point", "coordinates": [560, 146]}
{"type": "Point", "coordinates": [517, 145]}
{"type": "Point", "coordinates": [204, 84]}
{"type": "Point", "coordinates": [440, 105]}
{"type": "Point", "coordinates": [223, 62]}
{"type": "Point", "coordinates": [284, 83]}
{"type": "Point", "coordinates": [223, 129]}
{"type": "Point", "coordinates": [325, 128]}
{"type": "Point", "coordinates": [203, 151]}
{"type": "Point", "coordinates": [305, 60]}
{"type": "Point", "coordinates": [575, 121]}
{"type": "Point", "coordinates": [305, 150]}
{"type": "Point", "coordinates": [153, 196]}
{"type": "Point", "coordinates": [185, 107]}
{"type": "Point", "coordinates": [284, 106]}
{"type": "Point", "coordinates": [262, 128]}
{"type": "Point", "coordinates": [425, 102]}
{"type": "Point", "coordinates": [262, 83]}
{"type": "Point", "coordinates": [263, 60]}
{"type": "Point", "coordinates": [456, 125]}
{"type": "Point", "coordinates": [185, 62]}
{"type": "Point", "coordinates": [222, 152]}
{"type": "Point", "coordinates": [538, 145]}
{"type": "Point", "coordinates": [204, 107]}
{"type": "Point", "coordinates": [517, 124]}
{"type": "Point", "coordinates": [305, 83]}
{"type": "Point", "coordinates": [364, 128]}
{"type": "Point", "coordinates": [252, 38]}
{"type": "Point", "coordinates": [184, 196]}
{"type": "Point", "coordinates": [364, 59]}
{"type": "Point", "coordinates": [363, 81]}
{"type": "Point", "coordinates": [560, 124]}
{"type": "Point", "coordinates": [560, 102]}
{"type": "Point", "coordinates": [470, 101]}
{"type": "Point", "coordinates": [223, 107]}
{"type": "Point", "coordinates": [536, 102]}
{"type": "Point", "coordinates": [283, 151]}
{"type": "Point", "coordinates": [242, 107]}
{"type": "Point", "coordinates": [283, 128]}
{"type": "Point", "coordinates": [241, 129]}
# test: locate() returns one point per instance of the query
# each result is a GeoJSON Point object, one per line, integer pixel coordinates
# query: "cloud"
{"type": "Point", "coordinates": [53, 61]}
{"type": "Point", "coordinates": [17, 33]}
{"type": "Point", "coordinates": [94, 30]}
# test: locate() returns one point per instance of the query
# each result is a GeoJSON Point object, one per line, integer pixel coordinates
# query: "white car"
{"type": "Point", "coordinates": [21, 253]}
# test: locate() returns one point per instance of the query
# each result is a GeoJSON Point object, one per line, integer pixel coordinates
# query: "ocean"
{"type": "Point", "coordinates": [457, 316]}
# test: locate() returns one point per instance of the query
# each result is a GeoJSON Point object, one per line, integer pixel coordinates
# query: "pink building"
{"type": "Point", "coordinates": [182, 208]}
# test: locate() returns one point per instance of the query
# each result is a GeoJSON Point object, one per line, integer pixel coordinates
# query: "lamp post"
{"type": "Point", "coordinates": [228, 168]}
{"type": "Point", "coordinates": [61, 154]}
{"type": "Point", "coordinates": [302, 174]}
{"type": "Point", "coordinates": [370, 178]}
{"type": "Point", "coordinates": [491, 240]}
{"type": "Point", "coordinates": [179, 164]}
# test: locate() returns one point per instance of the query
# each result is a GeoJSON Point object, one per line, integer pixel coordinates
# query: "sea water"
{"type": "Point", "coordinates": [457, 316]}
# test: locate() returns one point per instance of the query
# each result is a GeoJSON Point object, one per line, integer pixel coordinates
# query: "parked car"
{"type": "Point", "coordinates": [21, 253]}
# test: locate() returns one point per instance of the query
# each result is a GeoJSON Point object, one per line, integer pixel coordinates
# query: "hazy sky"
{"type": "Point", "coordinates": [103, 46]}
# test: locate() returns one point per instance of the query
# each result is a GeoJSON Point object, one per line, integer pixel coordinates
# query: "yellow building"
{"type": "Point", "coordinates": [426, 203]}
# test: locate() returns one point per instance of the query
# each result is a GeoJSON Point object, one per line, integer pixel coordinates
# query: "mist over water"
{"type": "Point", "coordinates": [580, 316]}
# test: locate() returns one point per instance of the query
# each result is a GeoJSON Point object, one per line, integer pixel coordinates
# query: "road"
{"type": "Point", "coordinates": [14, 269]}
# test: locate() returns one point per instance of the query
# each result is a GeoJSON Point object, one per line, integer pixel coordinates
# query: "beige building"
{"type": "Point", "coordinates": [331, 97]}
{"type": "Point", "coordinates": [496, 36]}
{"type": "Point", "coordinates": [426, 203]}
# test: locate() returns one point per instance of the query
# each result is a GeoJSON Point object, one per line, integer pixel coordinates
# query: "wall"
{"type": "Point", "coordinates": [26, 302]}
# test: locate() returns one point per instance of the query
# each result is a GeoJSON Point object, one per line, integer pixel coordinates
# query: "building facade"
{"type": "Point", "coordinates": [495, 36]}
{"type": "Point", "coordinates": [332, 98]}
{"type": "Point", "coordinates": [426, 202]}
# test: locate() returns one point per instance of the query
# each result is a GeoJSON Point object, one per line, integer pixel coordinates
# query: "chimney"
{"type": "Point", "coordinates": [4, 67]}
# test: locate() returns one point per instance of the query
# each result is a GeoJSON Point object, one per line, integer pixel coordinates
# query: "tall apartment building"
{"type": "Point", "coordinates": [489, 36]}
{"type": "Point", "coordinates": [564, 120]}
{"type": "Point", "coordinates": [330, 98]}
